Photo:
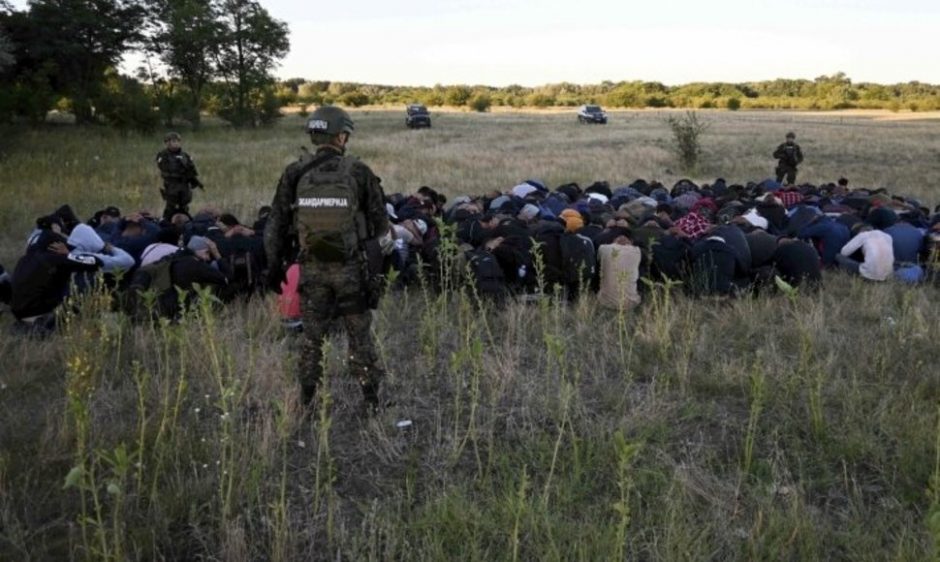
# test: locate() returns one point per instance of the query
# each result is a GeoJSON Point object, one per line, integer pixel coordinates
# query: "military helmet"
{"type": "Point", "coordinates": [329, 121]}
{"type": "Point", "coordinates": [791, 135]}
{"type": "Point", "coordinates": [171, 136]}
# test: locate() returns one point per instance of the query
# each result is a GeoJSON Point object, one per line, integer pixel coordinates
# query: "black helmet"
{"type": "Point", "coordinates": [329, 121]}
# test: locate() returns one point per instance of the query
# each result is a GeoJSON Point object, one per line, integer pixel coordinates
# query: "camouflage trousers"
{"type": "Point", "coordinates": [177, 200]}
{"type": "Point", "coordinates": [334, 294]}
{"type": "Point", "coordinates": [786, 171]}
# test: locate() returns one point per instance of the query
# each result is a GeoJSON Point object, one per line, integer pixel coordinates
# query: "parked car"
{"type": "Point", "coordinates": [417, 116]}
{"type": "Point", "coordinates": [591, 114]}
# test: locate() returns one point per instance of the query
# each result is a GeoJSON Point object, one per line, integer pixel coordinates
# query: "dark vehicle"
{"type": "Point", "coordinates": [591, 114]}
{"type": "Point", "coordinates": [417, 116]}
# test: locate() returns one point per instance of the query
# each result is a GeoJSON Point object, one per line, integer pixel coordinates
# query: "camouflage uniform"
{"type": "Point", "coordinates": [789, 156]}
{"type": "Point", "coordinates": [330, 291]}
{"type": "Point", "coordinates": [179, 178]}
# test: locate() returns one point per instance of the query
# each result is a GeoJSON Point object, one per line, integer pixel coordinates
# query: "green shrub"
{"type": "Point", "coordinates": [480, 102]}
{"type": "Point", "coordinates": [269, 108]}
{"type": "Point", "coordinates": [733, 104]}
{"type": "Point", "coordinates": [687, 131]}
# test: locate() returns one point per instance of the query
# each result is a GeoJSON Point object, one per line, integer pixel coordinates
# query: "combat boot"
{"type": "Point", "coordinates": [370, 398]}
{"type": "Point", "coordinates": [308, 395]}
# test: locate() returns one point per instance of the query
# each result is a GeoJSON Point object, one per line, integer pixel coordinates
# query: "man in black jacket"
{"type": "Point", "coordinates": [40, 281]}
{"type": "Point", "coordinates": [798, 263]}
{"type": "Point", "coordinates": [715, 267]}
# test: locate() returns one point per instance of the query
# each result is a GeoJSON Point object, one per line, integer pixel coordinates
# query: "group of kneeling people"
{"type": "Point", "coordinates": [716, 239]}
{"type": "Point", "coordinates": [130, 255]}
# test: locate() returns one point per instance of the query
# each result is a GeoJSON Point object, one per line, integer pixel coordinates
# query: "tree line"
{"type": "Point", "coordinates": [825, 92]}
{"type": "Point", "coordinates": [217, 57]}
{"type": "Point", "coordinates": [199, 55]}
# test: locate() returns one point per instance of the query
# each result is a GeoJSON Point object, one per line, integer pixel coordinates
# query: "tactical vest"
{"type": "Point", "coordinates": [329, 223]}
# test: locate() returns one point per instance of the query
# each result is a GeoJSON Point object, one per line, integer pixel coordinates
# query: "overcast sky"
{"type": "Point", "coordinates": [500, 42]}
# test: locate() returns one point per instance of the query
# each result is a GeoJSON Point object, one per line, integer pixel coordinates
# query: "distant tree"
{"type": "Point", "coordinates": [354, 98]}
{"type": "Point", "coordinates": [125, 104]}
{"type": "Point", "coordinates": [185, 35]}
{"type": "Point", "coordinates": [457, 95]}
{"type": "Point", "coordinates": [733, 104]}
{"type": "Point", "coordinates": [82, 38]}
{"type": "Point", "coordinates": [540, 100]}
{"type": "Point", "coordinates": [252, 44]}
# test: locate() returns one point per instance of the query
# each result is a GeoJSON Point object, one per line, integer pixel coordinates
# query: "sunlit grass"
{"type": "Point", "coordinates": [795, 428]}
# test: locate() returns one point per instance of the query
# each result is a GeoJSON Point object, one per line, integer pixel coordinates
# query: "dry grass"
{"type": "Point", "coordinates": [771, 428]}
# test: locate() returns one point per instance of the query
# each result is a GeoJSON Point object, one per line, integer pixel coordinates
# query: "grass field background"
{"type": "Point", "coordinates": [771, 428]}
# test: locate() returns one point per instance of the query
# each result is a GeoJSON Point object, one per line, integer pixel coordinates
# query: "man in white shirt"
{"type": "Point", "coordinates": [878, 249]}
{"type": "Point", "coordinates": [620, 271]}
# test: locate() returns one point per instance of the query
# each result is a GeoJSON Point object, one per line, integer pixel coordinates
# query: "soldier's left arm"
{"type": "Point", "coordinates": [799, 154]}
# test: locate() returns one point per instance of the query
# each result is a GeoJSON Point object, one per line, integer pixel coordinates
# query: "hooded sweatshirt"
{"type": "Point", "coordinates": [85, 239]}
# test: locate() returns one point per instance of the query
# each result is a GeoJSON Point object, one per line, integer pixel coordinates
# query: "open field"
{"type": "Point", "coordinates": [771, 428]}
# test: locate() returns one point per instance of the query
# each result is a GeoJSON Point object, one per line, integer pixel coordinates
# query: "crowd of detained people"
{"type": "Point", "coordinates": [131, 254]}
{"type": "Point", "coordinates": [716, 239]}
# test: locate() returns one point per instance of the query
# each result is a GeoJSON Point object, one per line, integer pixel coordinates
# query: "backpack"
{"type": "Point", "coordinates": [328, 221]}
{"type": "Point", "coordinates": [579, 261]}
{"type": "Point", "coordinates": [488, 278]}
{"type": "Point", "coordinates": [246, 272]}
{"type": "Point", "coordinates": [155, 279]}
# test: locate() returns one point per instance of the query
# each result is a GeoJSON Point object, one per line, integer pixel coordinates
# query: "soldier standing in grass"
{"type": "Point", "coordinates": [332, 206]}
{"type": "Point", "coordinates": [788, 156]}
{"type": "Point", "coordinates": [179, 176]}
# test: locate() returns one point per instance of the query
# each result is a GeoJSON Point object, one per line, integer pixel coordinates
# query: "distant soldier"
{"type": "Point", "coordinates": [332, 207]}
{"type": "Point", "coordinates": [179, 176]}
{"type": "Point", "coordinates": [789, 156]}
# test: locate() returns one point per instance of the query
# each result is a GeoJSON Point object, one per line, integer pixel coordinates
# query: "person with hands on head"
{"type": "Point", "coordinates": [40, 281]}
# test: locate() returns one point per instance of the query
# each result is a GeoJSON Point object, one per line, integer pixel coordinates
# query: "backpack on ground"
{"type": "Point", "coordinates": [329, 224]}
{"type": "Point", "coordinates": [579, 261]}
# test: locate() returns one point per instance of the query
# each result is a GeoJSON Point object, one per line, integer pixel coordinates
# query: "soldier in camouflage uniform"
{"type": "Point", "coordinates": [334, 282]}
{"type": "Point", "coordinates": [179, 176]}
{"type": "Point", "coordinates": [789, 156]}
